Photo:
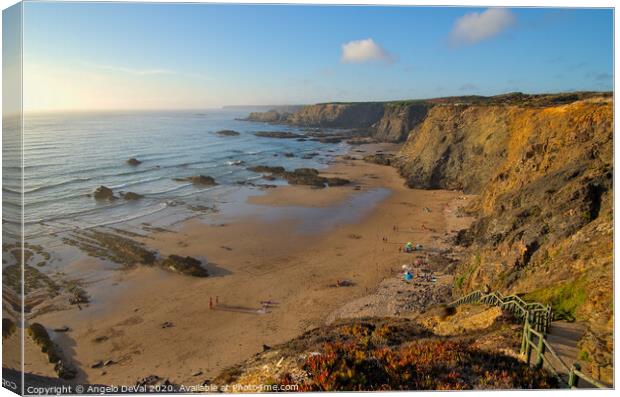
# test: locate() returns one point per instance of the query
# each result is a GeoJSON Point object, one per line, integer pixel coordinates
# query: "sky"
{"type": "Point", "coordinates": [105, 56]}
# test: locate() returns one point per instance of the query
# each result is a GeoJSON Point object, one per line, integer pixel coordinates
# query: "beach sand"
{"type": "Point", "coordinates": [294, 260]}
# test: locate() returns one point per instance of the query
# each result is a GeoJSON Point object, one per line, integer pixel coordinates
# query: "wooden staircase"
{"type": "Point", "coordinates": [554, 342]}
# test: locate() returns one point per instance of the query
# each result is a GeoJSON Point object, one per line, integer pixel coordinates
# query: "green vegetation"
{"type": "Point", "coordinates": [511, 98]}
{"type": "Point", "coordinates": [564, 298]}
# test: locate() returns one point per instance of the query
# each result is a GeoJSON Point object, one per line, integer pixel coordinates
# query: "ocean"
{"type": "Point", "coordinates": [67, 156]}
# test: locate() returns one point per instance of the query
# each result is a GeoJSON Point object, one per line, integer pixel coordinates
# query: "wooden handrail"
{"type": "Point", "coordinates": [537, 319]}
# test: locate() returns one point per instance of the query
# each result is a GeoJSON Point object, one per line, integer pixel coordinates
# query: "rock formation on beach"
{"type": "Point", "coordinates": [201, 180]}
{"type": "Point", "coordinates": [301, 176]}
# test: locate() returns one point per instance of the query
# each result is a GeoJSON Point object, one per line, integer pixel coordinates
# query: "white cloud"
{"type": "Point", "coordinates": [477, 26]}
{"type": "Point", "coordinates": [359, 51]}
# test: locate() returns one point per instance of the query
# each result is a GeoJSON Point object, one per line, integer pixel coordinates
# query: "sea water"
{"type": "Point", "coordinates": [67, 156]}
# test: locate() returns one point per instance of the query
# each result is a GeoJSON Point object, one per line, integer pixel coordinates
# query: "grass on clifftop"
{"type": "Point", "coordinates": [564, 298]}
{"type": "Point", "coordinates": [512, 98]}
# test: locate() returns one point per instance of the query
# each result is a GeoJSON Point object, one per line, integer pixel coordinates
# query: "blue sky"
{"type": "Point", "coordinates": [114, 56]}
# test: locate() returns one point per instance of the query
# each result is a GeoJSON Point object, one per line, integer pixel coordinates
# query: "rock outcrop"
{"type": "Point", "coordinates": [399, 118]}
{"type": "Point", "coordinates": [199, 180]}
{"type": "Point", "coordinates": [104, 193]}
{"type": "Point", "coordinates": [338, 115]}
{"type": "Point", "coordinates": [270, 116]}
{"type": "Point", "coordinates": [227, 133]}
{"type": "Point", "coordinates": [301, 176]}
{"type": "Point", "coordinates": [185, 265]}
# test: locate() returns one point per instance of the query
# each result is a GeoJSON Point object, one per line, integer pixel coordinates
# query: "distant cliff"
{"type": "Point", "coordinates": [393, 121]}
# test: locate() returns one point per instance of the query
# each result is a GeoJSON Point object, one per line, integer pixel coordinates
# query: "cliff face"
{"type": "Point", "coordinates": [398, 120]}
{"type": "Point", "coordinates": [335, 115]}
{"type": "Point", "coordinates": [388, 122]}
{"type": "Point", "coordinates": [544, 214]}
{"type": "Point", "coordinates": [270, 116]}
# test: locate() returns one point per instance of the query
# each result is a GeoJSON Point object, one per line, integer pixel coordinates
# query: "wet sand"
{"type": "Point", "coordinates": [291, 252]}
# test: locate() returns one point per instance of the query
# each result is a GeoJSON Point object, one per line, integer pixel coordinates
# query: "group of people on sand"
{"type": "Point", "coordinates": [409, 275]}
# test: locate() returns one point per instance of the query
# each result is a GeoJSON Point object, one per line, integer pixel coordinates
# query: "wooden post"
{"type": "Point", "coordinates": [541, 352]}
{"type": "Point", "coordinates": [528, 346]}
{"type": "Point", "coordinates": [524, 338]}
{"type": "Point", "coordinates": [573, 379]}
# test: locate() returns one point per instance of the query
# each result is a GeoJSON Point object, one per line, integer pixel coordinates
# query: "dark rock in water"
{"type": "Point", "coordinates": [167, 324]}
{"type": "Point", "coordinates": [104, 193]}
{"type": "Point", "coordinates": [133, 161]}
{"type": "Point", "coordinates": [267, 169]}
{"type": "Point", "coordinates": [227, 133]}
{"type": "Point", "coordinates": [203, 180]}
{"type": "Point", "coordinates": [289, 154]}
{"type": "Point", "coordinates": [309, 156]}
{"type": "Point", "coordinates": [278, 134]}
{"type": "Point", "coordinates": [336, 139]}
{"type": "Point", "coordinates": [131, 196]}
{"type": "Point", "coordinates": [185, 265]}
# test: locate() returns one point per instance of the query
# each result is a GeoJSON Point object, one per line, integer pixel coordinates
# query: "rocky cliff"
{"type": "Point", "coordinates": [338, 115]}
{"type": "Point", "coordinates": [544, 227]}
{"type": "Point", "coordinates": [398, 120]}
{"type": "Point", "coordinates": [393, 121]}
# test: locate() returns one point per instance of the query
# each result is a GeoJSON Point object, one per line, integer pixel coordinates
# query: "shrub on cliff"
{"type": "Point", "coordinates": [421, 365]}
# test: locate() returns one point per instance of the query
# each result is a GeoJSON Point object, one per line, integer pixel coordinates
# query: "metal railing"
{"type": "Point", "coordinates": [537, 319]}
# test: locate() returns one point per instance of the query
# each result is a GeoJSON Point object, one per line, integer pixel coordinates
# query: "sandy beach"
{"type": "Point", "coordinates": [291, 253]}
